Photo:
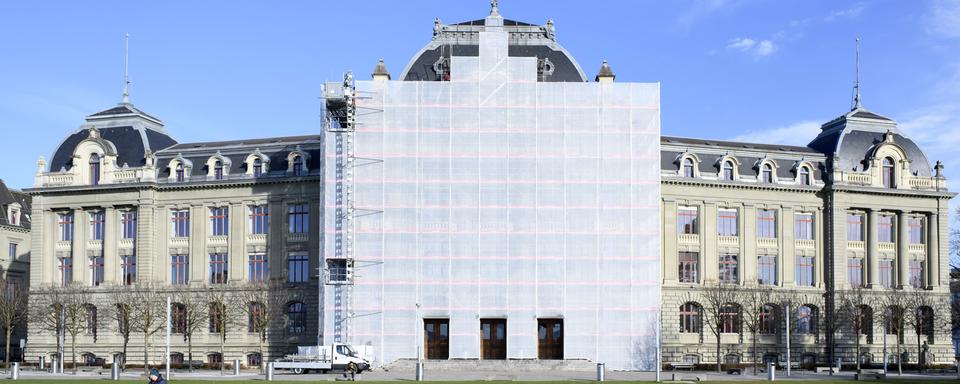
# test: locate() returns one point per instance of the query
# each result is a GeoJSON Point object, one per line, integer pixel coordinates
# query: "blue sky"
{"type": "Point", "coordinates": [768, 71]}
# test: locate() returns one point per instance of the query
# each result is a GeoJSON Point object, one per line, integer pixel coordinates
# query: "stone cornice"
{"type": "Point", "coordinates": [741, 185]}
{"type": "Point", "coordinates": [165, 186]}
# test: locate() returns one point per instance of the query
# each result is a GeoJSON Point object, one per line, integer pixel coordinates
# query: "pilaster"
{"type": "Point", "coordinates": [786, 233]}
{"type": "Point", "coordinates": [237, 253]}
{"type": "Point", "coordinates": [748, 258]}
{"type": "Point", "coordinates": [709, 261]}
{"type": "Point", "coordinates": [933, 251]}
{"type": "Point", "coordinates": [903, 266]}
{"type": "Point", "coordinates": [873, 250]}
{"type": "Point", "coordinates": [275, 238]}
{"type": "Point", "coordinates": [111, 237]}
{"type": "Point", "coordinates": [670, 272]}
{"type": "Point", "coordinates": [81, 221]}
{"type": "Point", "coordinates": [198, 242]}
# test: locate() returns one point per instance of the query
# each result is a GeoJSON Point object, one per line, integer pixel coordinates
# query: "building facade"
{"type": "Point", "coordinates": [122, 206]}
{"type": "Point", "coordinates": [15, 261]}
{"type": "Point", "coordinates": [859, 216]}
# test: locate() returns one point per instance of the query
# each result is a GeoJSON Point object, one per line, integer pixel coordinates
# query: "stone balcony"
{"type": "Point", "coordinates": [917, 248]}
{"type": "Point", "coordinates": [728, 240]}
{"type": "Point", "coordinates": [257, 239]}
{"type": "Point", "coordinates": [64, 246]}
{"type": "Point", "coordinates": [887, 247]}
{"type": "Point", "coordinates": [857, 245]}
{"type": "Point", "coordinates": [805, 243]}
{"type": "Point", "coordinates": [685, 238]}
{"type": "Point", "coordinates": [767, 242]}
{"type": "Point", "coordinates": [297, 237]}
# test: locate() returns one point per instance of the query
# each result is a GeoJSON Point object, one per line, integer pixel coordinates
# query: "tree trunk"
{"type": "Point", "coordinates": [919, 365]}
{"type": "Point", "coordinates": [262, 359]}
{"type": "Point", "coordinates": [6, 364]}
{"type": "Point", "coordinates": [146, 356]}
{"type": "Point", "coordinates": [858, 351]}
{"type": "Point", "coordinates": [719, 369]}
{"type": "Point", "coordinates": [123, 359]}
{"type": "Point", "coordinates": [754, 333]}
{"type": "Point", "coordinates": [899, 357]}
{"type": "Point", "coordinates": [223, 359]}
{"type": "Point", "coordinates": [73, 352]}
{"type": "Point", "coordinates": [190, 352]}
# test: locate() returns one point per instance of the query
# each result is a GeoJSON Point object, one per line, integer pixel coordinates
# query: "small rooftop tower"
{"type": "Point", "coordinates": [605, 75]}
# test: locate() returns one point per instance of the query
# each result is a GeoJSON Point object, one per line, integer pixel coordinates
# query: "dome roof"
{"type": "Point", "coordinates": [131, 132]}
{"type": "Point", "coordinates": [850, 139]}
{"type": "Point", "coordinates": [463, 39]}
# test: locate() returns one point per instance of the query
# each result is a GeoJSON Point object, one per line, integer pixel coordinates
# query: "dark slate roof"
{"type": "Point", "coordinates": [564, 68]}
{"type": "Point", "coordinates": [870, 115]}
{"type": "Point", "coordinates": [506, 23]}
{"type": "Point", "coordinates": [735, 145]}
{"type": "Point", "coordinates": [9, 196]}
{"type": "Point", "coordinates": [131, 144]}
{"type": "Point", "coordinates": [276, 148]}
{"type": "Point", "coordinates": [123, 109]}
{"type": "Point", "coordinates": [709, 164]}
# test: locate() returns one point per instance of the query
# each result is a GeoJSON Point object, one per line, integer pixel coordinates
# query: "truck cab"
{"type": "Point", "coordinates": [344, 355]}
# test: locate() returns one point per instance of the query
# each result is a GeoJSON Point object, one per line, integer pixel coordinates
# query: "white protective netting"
{"type": "Point", "coordinates": [504, 197]}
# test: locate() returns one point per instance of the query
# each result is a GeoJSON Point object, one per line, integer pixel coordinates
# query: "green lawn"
{"type": "Point", "coordinates": [194, 381]}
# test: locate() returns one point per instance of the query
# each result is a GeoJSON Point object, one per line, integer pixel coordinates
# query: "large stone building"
{"type": "Point", "coordinates": [121, 205]}
{"type": "Point", "coordinates": [15, 259]}
{"type": "Point", "coordinates": [857, 216]}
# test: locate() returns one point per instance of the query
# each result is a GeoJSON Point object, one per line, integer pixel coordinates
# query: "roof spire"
{"type": "Point", "coordinates": [126, 69]}
{"type": "Point", "coordinates": [856, 86]}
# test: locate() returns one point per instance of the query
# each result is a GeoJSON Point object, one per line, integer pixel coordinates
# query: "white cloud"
{"type": "Point", "coordinates": [849, 13]}
{"type": "Point", "coordinates": [701, 9]}
{"type": "Point", "coordinates": [749, 45]}
{"type": "Point", "coordinates": [799, 133]}
{"type": "Point", "coordinates": [944, 18]}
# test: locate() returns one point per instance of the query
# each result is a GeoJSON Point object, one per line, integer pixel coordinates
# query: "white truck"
{"type": "Point", "coordinates": [323, 359]}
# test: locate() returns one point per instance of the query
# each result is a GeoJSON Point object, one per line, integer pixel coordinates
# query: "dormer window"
{"type": "Point", "coordinates": [766, 173]}
{"type": "Point", "coordinates": [179, 173]}
{"type": "Point", "coordinates": [257, 167]}
{"type": "Point", "coordinates": [688, 170]}
{"type": "Point", "coordinates": [887, 172]}
{"type": "Point", "coordinates": [804, 176]}
{"type": "Point", "coordinates": [727, 170]}
{"type": "Point", "coordinates": [94, 169]}
{"type": "Point", "coordinates": [298, 166]}
{"type": "Point", "coordinates": [218, 170]}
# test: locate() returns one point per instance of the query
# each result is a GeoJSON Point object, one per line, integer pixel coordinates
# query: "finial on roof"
{"type": "Point", "coordinates": [606, 74]}
{"type": "Point", "coordinates": [94, 132]}
{"type": "Point", "coordinates": [126, 69]}
{"type": "Point", "coordinates": [436, 27]}
{"type": "Point", "coordinates": [856, 86]}
{"type": "Point", "coordinates": [380, 71]}
{"type": "Point", "coordinates": [494, 8]}
{"type": "Point", "coordinates": [938, 168]}
{"type": "Point", "coordinates": [551, 30]}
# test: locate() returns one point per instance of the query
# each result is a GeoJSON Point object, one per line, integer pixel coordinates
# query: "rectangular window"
{"type": "Point", "coordinates": [766, 224]}
{"type": "Point", "coordinates": [218, 268]}
{"type": "Point", "coordinates": [688, 267]}
{"type": "Point", "coordinates": [767, 270]}
{"type": "Point", "coordinates": [179, 269]}
{"type": "Point", "coordinates": [803, 226]}
{"type": "Point", "coordinates": [13, 251]}
{"type": "Point", "coordinates": [14, 217]}
{"type": "Point", "coordinates": [219, 221]}
{"type": "Point", "coordinates": [65, 225]}
{"type": "Point", "coordinates": [181, 223]}
{"type": "Point", "coordinates": [259, 220]}
{"type": "Point", "coordinates": [128, 269]}
{"type": "Point", "coordinates": [687, 222]}
{"type": "Point", "coordinates": [97, 219]}
{"type": "Point", "coordinates": [96, 270]}
{"type": "Point", "coordinates": [299, 218]}
{"type": "Point", "coordinates": [854, 227]}
{"type": "Point", "coordinates": [916, 273]}
{"type": "Point", "coordinates": [259, 268]}
{"type": "Point", "coordinates": [916, 230]}
{"type": "Point", "coordinates": [66, 271]}
{"type": "Point", "coordinates": [805, 270]}
{"type": "Point", "coordinates": [885, 229]}
{"type": "Point", "coordinates": [299, 268]}
{"type": "Point", "coordinates": [855, 272]}
{"type": "Point", "coordinates": [128, 224]}
{"type": "Point", "coordinates": [727, 222]}
{"type": "Point", "coordinates": [729, 268]}
{"type": "Point", "coordinates": [886, 273]}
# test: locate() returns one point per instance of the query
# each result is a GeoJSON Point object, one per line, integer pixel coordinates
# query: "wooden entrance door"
{"type": "Point", "coordinates": [493, 339]}
{"type": "Point", "coordinates": [436, 333]}
{"type": "Point", "coordinates": [550, 339]}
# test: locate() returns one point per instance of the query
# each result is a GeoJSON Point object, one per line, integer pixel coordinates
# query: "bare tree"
{"type": "Point", "coordinates": [854, 313]}
{"type": "Point", "coordinates": [148, 315]}
{"type": "Point", "coordinates": [77, 318]}
{"type": "Point", "coordinates": [13, 311]}
{"type": "Point", "coordinates": [120, 314]}
{"type": "Point", "coordinates": [263, 303]}
{"type": "Point", "coordinates": [919, 317]}
{"type": "Point", "coordinates": [720, 305]}
{"type": "Point", "coordinates": [221, 309]}
{"type": "Point", "coordinates": [190, 316]}
{"type": "Point", "coordinates": [755, 305]}
{"type": "Point", "coordinates": [46, 312]}
{"type": "Point", "coordinates": [893, 303]}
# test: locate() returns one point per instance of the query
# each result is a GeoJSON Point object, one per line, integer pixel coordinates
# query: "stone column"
{"type": "Point", "coordinates": [152, 224]}
{"type": "Point", "coordinates": [903, 265]}
{"type": "Point", "coordinates": [670, 272]}
{"type": "Point", "coordinates": [933, 251]}
{"type": "Point", "coordinates": [748, 238]}
{"type": "Point", "coordinates": [41, 251]}
{"type": "Point", "coordinates": [237, 235]}
{"type": "Point", "coordinates": [198, 244]}
{"type": "Point", "coordinates": [873, 250]}
{"type": "Point", "coordinates": [709, 261]}
{"type": "Point", "coordinates": [276, 254]}
{"type": "Point", "coordinates": [785, 232]}
{"type": "Point", "coordinates": [111, 238]}
{"type": "Point", "coordinates": [79, 246]}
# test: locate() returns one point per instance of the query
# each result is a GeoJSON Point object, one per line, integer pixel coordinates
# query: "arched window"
{"type": "Point", "coordinates": [218, 170]}
{"type": "Point", "coordinates": [925, 320]}
{"type": "Point", "coordinates": [727, 169]}
{"type": "Point", "coordinates": [768, 319]}
{"type": "Point", "coordinates": [94, 169]}
{"type": "Point", "coordinates": [179, 172]}
{"type": "Point", "coordinates": [123, 318]}
{"type": "Point", "coordinates": [887, 171]}
{"type": "Point", "coordinates": [688, 167]}
{"type": "Point", "coordinates": [806, 320]}
{"type": "Point", "coordinates": [766, 173]}
{"type": "Point", "coordinates": [296, 317]}
{"type": "Point", "coordinates": [864, 321]}
{"type": "Point", "coordinates": [90, 319]}
{"type": "Point", "coordinates": [804, 176]}
{"type": "Point", "coordinates": [730, 315]}
{"type": "Point", "coordinates": [256, 315]}
{"type": "Point", "coordinates": [215, 314]}
{"type": "Point", "coordinates": [214, 359]}
{"type": "Point", "coordinates": [257, 167]}
{"type": "Point", "coordinates": [298, 166]}
{"type": "Point", "coordinates": [178, 318]}
{"type": "Point", "coordinates": [176, 358]}
{"type": "Point", "coordinates": [690, 318]}
{"type": "Point", "coordinates": [892, 320]}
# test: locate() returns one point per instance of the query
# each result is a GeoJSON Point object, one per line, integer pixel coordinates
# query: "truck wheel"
{"type": "Point", "coordinates": [298, 371]}
{"type": "Point", "coordinates": [352, 367]}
